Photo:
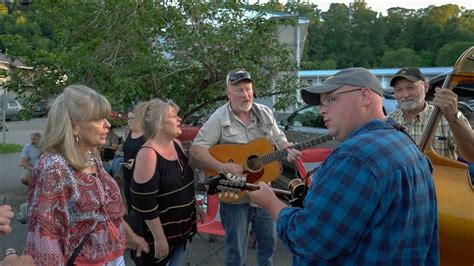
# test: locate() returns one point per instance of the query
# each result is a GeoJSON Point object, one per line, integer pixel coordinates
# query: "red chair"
{"type": "Point", "coordinates": [310, 159]}
{"type": "Point", "coordinates": [212, 225]}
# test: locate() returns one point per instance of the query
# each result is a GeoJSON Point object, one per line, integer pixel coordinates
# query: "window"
{"type": "Point", "coordinates": [12, 104]}
{"type": "Point", "coordinates": [307, 117]}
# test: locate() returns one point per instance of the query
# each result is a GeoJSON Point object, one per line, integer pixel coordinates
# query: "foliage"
{"type": "Point", "coordinates": [10, 148]}
{"type": "Point", "coordinates": [181, 50]}
{"type": "Point", "coordinates": [400, 57]}
{"type": "Point", "coordinates": [355, 35]}
{"type": "Point", "coordinates": [137, 51]}
{"type": "Point", "coordinates": [117, 119]}
{"type": "Point", "coordinates": [448, 54]}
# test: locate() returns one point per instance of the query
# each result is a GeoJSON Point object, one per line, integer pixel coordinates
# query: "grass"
{"type": "Point", "coordinates": [10, 148]}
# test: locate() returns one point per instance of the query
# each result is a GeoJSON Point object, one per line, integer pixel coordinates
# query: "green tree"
{"type": "Point", "coordinates": [448, 54]}
{"type": "Point", "coordinates": [400, 58]}
{"type": "Point", "coordinates": [137, 51]}
{"type": "Point", "coordinates": [336, 33]}
{"type": "Point", "coordinates": [362, 22]}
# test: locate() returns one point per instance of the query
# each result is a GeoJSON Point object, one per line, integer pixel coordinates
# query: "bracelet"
{"type": "Point", "coordinates": [10, 251]}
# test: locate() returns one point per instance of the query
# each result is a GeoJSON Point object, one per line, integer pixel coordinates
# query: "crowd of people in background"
{"type": "Point", "coordinates": [356, 210]}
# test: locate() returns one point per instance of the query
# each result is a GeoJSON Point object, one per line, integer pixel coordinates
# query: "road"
{"type": "Point", "coordinates": [14, 193]}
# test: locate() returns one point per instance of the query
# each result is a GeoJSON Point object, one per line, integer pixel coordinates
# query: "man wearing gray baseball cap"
{"type": "Point", "coordinates": [373, 200]}
{"type": "Point", "coordinates": [356, 77]}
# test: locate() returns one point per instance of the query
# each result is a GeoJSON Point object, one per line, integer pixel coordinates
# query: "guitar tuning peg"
{"type": "Point", "coordinates": [244, 179]}
{"type": "Point", "coordinates": [236, 196]}
{"type": "Point", "coordinates": [229, 175]}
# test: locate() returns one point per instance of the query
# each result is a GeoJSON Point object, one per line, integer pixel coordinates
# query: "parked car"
{"type": "Point", "coordinates": [13, 109]}
{"type": "Point", "coordinates": [40, 108]}
{"type": "Point", "coordinates": [306, 123]}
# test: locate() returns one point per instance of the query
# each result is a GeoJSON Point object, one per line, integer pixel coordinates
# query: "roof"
{"type": "Point", "coordinates": [428, 71]}
{"type": "Point", "coordinates": [5, 59]}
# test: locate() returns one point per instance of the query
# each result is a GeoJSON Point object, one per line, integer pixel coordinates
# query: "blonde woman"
{"type": "Point", "coordinates": [162, 188]}
{"type": "Point", "coordinates": [132, 144]}
{"type": "Point", "coordinates": [75, 207]}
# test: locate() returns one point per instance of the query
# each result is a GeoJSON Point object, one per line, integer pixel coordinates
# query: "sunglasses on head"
{"type": "Point", "coordinates": [239, 75]}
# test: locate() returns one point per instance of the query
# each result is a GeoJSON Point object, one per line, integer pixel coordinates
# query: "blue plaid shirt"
{"type": "Point", "coordinates": [372, 202]}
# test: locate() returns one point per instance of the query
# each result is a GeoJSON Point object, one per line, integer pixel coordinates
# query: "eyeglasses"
{"type": "Point", "coordinates": [238, 75]}
{"type": "Point", "coordinates": [330, 99]}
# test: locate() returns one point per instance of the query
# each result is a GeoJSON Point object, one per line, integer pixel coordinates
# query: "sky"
{"type": "Point", "coordinates": [383, 5]}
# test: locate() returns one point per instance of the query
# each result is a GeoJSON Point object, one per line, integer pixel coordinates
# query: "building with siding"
{"type": "Point", "coordinates": [315, 77]}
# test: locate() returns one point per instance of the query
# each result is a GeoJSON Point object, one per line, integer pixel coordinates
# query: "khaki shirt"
{"type": "Point", "coordinates": [223, 127]}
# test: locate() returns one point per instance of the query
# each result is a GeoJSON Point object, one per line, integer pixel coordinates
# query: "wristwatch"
{"type": "Point", "coordinates": [458, 115]}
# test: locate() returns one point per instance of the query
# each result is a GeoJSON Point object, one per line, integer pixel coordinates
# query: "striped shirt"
{"type": "Point", "coordinates": [372, 202]}
{"type": "Point", "coordinates": [444, 143]}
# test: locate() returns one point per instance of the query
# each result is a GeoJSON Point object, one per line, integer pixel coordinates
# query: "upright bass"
{"type": "Point", "coordinates": [454, 190]}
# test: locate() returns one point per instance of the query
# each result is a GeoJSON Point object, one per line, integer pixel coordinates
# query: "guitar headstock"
{"type": "Point", "coordinates": [226, 185]}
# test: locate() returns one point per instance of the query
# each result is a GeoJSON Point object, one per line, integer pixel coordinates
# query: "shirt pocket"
{"type": "Point", "coordinates": [233, 135]}
{"type": "Point", "coordinates": [263, 131]}
{"type": "Point", "coordinates": [229, 132]}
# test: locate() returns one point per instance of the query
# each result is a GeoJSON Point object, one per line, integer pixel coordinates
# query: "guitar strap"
{"type": "Point", "coordinates": [268, 128]}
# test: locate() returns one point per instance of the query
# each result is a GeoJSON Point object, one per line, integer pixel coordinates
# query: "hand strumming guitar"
{"type": "Point", "coordinates": [232, 168]}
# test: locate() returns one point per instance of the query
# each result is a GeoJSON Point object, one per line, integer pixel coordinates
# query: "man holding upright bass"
{"type": "Point", "coordinates": [372, 201]}
{"type": "Point", "coordinates": [240, 121]}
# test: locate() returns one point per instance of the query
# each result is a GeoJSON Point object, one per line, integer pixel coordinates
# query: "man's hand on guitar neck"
{"type": "Point", "coordinates": [292, 155]}
{"type": "Point", "coordinates": [266, 198]}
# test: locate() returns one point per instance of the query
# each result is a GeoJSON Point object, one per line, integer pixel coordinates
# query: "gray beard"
{"type": "Point", "coordinates": [409, 105]}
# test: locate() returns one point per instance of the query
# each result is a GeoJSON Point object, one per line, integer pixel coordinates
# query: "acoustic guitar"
{"type": "Point", "coordinates": [259, 161]}
{"type": "Point", "coordinates": [454, 190]}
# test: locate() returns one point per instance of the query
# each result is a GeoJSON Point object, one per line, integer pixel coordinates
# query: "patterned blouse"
{"type": "Point", "coordinates": [64, 205]}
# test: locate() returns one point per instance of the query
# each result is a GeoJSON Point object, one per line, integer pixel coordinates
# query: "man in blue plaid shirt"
{"type": "Point", "coordinates": [372, 202]}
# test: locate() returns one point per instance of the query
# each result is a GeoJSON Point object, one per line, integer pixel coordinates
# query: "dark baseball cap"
{"type": "Point", "coordinates": [356, 76]}
{"type": "Point", "coordinates": [237, 75]}
{"type": "Point", "coordinates": [413, 74]}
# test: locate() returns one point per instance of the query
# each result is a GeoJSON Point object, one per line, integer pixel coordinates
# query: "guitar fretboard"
{"type": "Point", "coordinates": [278, 155]}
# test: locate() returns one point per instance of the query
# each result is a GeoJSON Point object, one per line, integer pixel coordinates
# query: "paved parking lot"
{"type": "Point", "coordinates": [14, 193]}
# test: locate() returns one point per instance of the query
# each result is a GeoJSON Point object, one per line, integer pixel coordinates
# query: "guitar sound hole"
{"type": "Point", "coordinates": [254, 163]}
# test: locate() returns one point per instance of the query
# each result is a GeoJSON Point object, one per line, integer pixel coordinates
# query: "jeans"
{"type": "Point", "coordinates": [113, 166]}
{"type": "Point", "coordinates": [177, 256]}
{"type": "Point", "coordinates": [235, 220]}
{"type": "Point", "coordinates": [120, 261]}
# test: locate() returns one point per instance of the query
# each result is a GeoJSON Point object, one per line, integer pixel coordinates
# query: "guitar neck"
{"type": "Point", "coordinates": [283, 194]}
{"type": "Point", "coordinates": [280, 154]}
{"type": "Point", "coordinates": [253, 187]}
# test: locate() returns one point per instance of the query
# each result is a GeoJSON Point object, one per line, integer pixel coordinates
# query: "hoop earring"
{"type": "Point", "coordinates": [76, 138]}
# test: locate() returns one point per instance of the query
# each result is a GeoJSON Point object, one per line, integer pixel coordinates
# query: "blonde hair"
{"type": "Point", "coordinates": [151, 114]}
{"type": "Point", "coordinates": [139, 111]}
{"type": "Point", "coordinates": [77, 103]}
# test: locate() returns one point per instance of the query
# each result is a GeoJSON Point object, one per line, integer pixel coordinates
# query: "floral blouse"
{"type": "Point", "coordinates": [64, 206]}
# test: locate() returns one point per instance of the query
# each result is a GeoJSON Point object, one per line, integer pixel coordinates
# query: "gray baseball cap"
{"type": "Point", "coordinates": [237, 75]}
{"type": "Point", "coordinates": [356, 76]}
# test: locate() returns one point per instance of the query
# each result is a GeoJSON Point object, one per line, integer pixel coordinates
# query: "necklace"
{"type": "Point", "coordinates": [91, 158]}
